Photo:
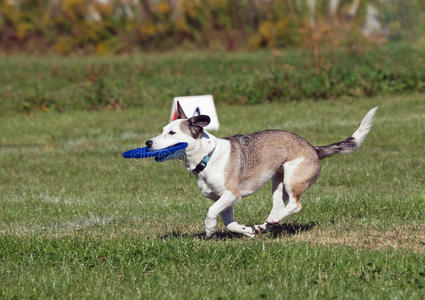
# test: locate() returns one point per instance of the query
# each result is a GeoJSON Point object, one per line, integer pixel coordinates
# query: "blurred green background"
{"type": "Point", "coordinates": [62, 55]}
{"type": "Point", "coordinates": [126, 26]}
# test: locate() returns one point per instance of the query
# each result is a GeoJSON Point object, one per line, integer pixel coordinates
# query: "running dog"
{"type": "Point", "coordinates": [228, 169]}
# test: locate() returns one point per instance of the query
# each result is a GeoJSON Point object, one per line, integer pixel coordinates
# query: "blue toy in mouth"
{"type": "Point", "coordinates": [160, 155]}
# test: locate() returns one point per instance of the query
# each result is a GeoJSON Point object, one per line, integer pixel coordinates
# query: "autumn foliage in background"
{"type": "Point", "coordinates": [123, 26]}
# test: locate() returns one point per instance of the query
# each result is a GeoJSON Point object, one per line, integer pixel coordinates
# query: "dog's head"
{"type": "Point", "coordinates": [188, 130]}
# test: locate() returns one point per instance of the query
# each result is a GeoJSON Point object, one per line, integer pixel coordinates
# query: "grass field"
{"type": "Point", "coordinates": [78, 220]}
{"type": "Point", "coordinates": [139, 81]}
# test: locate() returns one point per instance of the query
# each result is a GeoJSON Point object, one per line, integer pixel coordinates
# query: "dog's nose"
{"type": "Point", "coordinates": [149, 143]}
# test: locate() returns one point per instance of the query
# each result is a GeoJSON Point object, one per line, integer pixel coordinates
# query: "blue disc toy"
{"type": "Point", "coordinates": [160, 155]}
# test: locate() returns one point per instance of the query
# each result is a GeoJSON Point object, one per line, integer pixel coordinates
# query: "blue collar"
{"type": "Point", "coordinates": [203, 164]}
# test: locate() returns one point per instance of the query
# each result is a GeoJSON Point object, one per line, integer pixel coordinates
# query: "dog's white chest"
{"type": "Point", "coordinates": [209, 188]}
{"type": "Point", "coordinates": [204, 187]}
{"type": "Point", "coordinates": [211, 181]}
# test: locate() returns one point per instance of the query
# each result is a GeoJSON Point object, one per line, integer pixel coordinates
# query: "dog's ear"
{"type": "Point", "coordinates": [180, 112]}
{"type": "Point", "coordinates": [196, 125]}
{"type": "Point", "coordinates": [201, 121]}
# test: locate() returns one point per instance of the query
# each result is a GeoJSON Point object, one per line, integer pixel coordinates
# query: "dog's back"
{"type": "Point", "coordinates": [256, 157]}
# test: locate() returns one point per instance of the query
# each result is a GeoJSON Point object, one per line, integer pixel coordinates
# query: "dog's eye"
{"type": "Point", "coordinates": [171, 132]}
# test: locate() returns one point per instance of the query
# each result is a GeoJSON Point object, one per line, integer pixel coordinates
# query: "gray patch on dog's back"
{"type": "Point", "coordinates": [253, 154]}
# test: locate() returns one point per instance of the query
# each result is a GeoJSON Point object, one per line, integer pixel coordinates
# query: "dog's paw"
{"type": "Point", "coordinates": [210, 227]}
{"type": "Point", "coordinates": [209, 234]}
{"type": "Point", "coordinates": [262, 228]}
{"type": "Point", "coordinates": [250, 233]}
{"type": "Point", "coordinates": [242, 229]}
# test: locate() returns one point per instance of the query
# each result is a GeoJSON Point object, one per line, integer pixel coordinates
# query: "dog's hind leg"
{"type": "Point", "coordinates": [298, 175]}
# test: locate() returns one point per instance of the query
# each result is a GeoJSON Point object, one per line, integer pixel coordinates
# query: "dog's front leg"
{"type": "Point", "coordinates": [228, 199]}
{"type": "Point", "coordinates": [231, 225]}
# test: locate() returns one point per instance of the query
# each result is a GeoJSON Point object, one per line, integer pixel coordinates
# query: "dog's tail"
{"type": "Point", "coordinates": [353, 142]}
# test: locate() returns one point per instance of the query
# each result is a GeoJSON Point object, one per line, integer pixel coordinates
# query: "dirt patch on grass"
{"type": "Point", "coordinates": [409, 238]}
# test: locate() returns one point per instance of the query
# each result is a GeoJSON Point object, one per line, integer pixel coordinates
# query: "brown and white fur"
{"type": "Point", "coordinates": [241, 164]}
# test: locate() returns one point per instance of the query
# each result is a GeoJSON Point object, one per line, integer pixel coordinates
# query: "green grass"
{"type": "Point", "coordinates": [78, 220]}
{"type": "Point", "coordinates": [140, 81]}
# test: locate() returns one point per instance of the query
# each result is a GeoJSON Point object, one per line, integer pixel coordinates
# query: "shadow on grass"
{"type": "Point", "coordinates": [290, 228]}
{"type": "Point", "coordinates": [275, 231]}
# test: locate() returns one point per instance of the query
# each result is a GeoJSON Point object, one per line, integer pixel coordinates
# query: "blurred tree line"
{"type": "Point", "coordinates": [120, 26]}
